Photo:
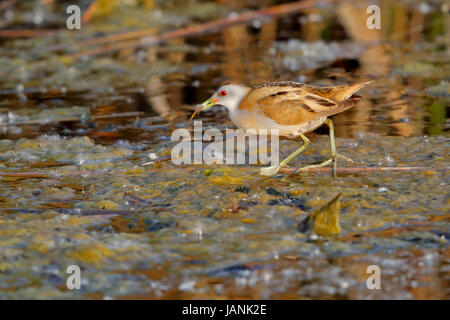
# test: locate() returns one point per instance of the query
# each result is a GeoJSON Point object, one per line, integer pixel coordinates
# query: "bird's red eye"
{"type": "Point", "coordinates": [222, 93]}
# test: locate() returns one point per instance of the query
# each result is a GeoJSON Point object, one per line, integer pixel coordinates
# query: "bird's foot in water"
{"type": "Point", "coordinates": [273, 170]}
{"type": "Point", "coordinates": [269, 171]}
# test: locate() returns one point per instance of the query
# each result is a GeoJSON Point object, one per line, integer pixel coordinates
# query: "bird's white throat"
{"type": "Point", "coordinates": [234, 97]}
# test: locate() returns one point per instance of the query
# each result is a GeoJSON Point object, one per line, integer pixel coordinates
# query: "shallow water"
{"type": "Point", "coordinates": [75, 133]}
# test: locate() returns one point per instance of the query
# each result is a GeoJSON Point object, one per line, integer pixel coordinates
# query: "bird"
{"type": "Point", "coordinates": [293, 108]}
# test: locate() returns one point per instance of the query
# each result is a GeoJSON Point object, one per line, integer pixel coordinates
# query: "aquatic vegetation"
{"type": "Point", "coordinates": [86, 177]}
{"type": "Point", "coordinates": [325, 221]}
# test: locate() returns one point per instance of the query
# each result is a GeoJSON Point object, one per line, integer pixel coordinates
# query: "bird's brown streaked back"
{"type": "Point", "coordinates": [292, 103]}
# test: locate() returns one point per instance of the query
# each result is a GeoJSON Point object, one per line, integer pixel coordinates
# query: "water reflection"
{"type": "Point", "coordinates": [322, 45]}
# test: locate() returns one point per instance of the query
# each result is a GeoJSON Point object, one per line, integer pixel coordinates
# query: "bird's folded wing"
{"type": "Point", "coordinates": [336, 93]}
{"type": "Point", "coordinates": [299, 106]}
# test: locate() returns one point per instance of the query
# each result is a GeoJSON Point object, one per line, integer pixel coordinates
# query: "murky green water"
{"type": "Point", "coordinates": [76, 131]}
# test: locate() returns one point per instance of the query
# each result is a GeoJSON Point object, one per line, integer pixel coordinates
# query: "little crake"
{"type": "Point", "coordinates": [291, 107]}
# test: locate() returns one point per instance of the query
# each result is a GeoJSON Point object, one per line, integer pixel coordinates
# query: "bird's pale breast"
{"type": "Point", "coordinates": [252, 119]}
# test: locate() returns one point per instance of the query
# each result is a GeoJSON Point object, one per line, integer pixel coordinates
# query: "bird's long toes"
{"type": "Point", "coordinates": [269, 171]}
{"type": "Point", "coordinates": [344, 157]}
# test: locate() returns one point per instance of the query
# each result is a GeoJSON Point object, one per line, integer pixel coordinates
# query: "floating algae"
{"type": "Point", "coordinates": [79, 150]}
{"type": "Point", "coordinates": [325, 221]}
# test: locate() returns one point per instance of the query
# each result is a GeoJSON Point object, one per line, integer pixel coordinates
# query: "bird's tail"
{"type": "Point", "coordinates": [344, 92]}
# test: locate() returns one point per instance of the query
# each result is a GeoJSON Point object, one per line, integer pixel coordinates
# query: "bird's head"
{"type": "Point", "coordinates": [228, 95]}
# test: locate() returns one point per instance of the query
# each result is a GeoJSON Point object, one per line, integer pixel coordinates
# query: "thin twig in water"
{"type": "Point", "coordinates": [212, 26]}
{"type": "Point", "coordinates": [36, 174]}
{"type": "Point", "coordinates": [119, 37]}
{"type": "Point", "coordinates": [144, 40]}
{"type": "Point", "coordinates": [358, 169]}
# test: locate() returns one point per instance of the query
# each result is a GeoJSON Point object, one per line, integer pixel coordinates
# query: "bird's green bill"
{"type": "Point", "coordinates": [205, 105]}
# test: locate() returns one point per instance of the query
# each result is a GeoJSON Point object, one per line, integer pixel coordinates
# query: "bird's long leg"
{"type": "Point", "coordinates": [270, 171]}
{"type": "Point", "coordinates": [334, 153]}
{"type": "Point", "coordinates": [305, 145]}
{"type": "Point", "coordinates": [330, 125]}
